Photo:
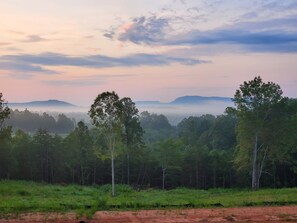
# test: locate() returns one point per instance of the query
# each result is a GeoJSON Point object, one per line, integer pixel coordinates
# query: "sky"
{"type": "Point", "coordinates": [73, 50]}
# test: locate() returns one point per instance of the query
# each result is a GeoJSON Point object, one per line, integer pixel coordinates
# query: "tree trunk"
{"type": "Point", "coordinates": [94, 172]}
{"type": "Point", "coordinates": [112, 173]}
{"type": "Point", "coordinates": [82, 180]}
{"type": "Point", "coordinates": [214, 177]}
{"type": "Point", "coordinates": [128, 168]}
{"type": "Point", "coordinates": [163, 173]}
{"type": "Point", "coordinates": [111, 147]}
{"type": "Point", "coordinates": [197, 174]}
{"type": "Point", "coordinates": [255, 180]}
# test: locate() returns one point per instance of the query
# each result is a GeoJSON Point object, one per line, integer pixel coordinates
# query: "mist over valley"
{"type": "Point", "coordinates": [175, 111]}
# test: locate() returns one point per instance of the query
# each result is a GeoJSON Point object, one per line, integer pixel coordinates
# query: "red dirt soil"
{"type": "Point", "coordinates": [244, 214]}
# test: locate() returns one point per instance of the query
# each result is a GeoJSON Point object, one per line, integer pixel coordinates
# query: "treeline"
{"type": "Point", "coordinates": [198, 153]}
{"type": "Point", "coordinates": [252, 144]}
{"type": "Point", "coordinates": [31, 122]}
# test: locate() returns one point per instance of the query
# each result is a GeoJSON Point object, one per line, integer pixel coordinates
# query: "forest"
{"type": "Point", "coordinates": [253, 144]}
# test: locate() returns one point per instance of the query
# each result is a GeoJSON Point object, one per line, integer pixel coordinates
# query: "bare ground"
{"type": "Point", "coordinates": [243, 214]}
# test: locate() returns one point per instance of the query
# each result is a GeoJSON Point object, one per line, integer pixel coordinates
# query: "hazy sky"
{"type": "Point", "coordinates": [73, 50]}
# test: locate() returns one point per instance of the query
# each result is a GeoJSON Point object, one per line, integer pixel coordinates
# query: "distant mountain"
{"type": "Point", "coordinates": [199, 100]}
{"type": "Point", "coordinates": [48, 103]}
{"type": "Point", "coordinates": [185, 100]}
{"type": "Point", "coordinates": [185, 106]}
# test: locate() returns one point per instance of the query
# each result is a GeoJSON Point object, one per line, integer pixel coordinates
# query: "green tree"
{"type": "Point", "coordinates": [44, 146]}
{"type": "Point", "coordinates": [7, 159]}
{"type": "Point", "coordinates": [194, 129]}
{"type": "Point", "coordinates": [25, 155]}
{"type": "Point", "coordinates": [133, 132]}
{"type": "Point", "coordinates": [255, 103]}
{"type": "Point", "coordinates": [64, 124]}
{"type": "Point", "coordinates": [83, 142]}
{"type": "Point", "coordinates": [169, 155]}
{"type": "Point", "coordinates": [4, 111]}
{"type": "Point", "coordinates": [6, 156]}
{"type": "Point", "coordinates": [106, 114]}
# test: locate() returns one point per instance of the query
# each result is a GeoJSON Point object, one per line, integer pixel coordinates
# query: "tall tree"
{"type": "Point", "coordinates": [169, 155]}
{"type": "Point", "coordinates": [4, 110]}
{"type": "Point", "coordinates": [44, 146]}
{"type": "Point", "coordinates": [105, 113]}
{"type": "Point", "coordinates": [133, 132]}
{"type": "Point", "coordinates": [255, 103]}
{"type": "Point", "coordinates": [84, 146]}
{"type": "Point", "coordinates": [7, 159]}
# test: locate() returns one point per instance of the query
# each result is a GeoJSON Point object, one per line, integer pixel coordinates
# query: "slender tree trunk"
{"type": "Point", "coordinates": [112, 174]}
{"type": "Point", "coordinates": [214, 177]}
{"type": "Point", "coordinates": [94, 172]}
{"type": "Point", "coordinates": [255, 184]}
{"type": "Point", "coordinates": [143, 176]}
{"type": "Point", "coordinates": [46, 166]}
{"type": "Point", "coordinates": [197, 174]}
{"type": "Point", "coordinates": [82, 180]}
{"type": "Point", "coordinates": [128, 168]}
{"type": "Point", "coordinates": [163, 181]}
{"type": "Point", "coordinates": [122, 171]}
{"type": "Point", "coordinates": [111, 147]}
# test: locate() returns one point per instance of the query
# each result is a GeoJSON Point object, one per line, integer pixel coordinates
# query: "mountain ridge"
{"type": "Point", "coordinates": [46, 103]}
{"type": "Point", "coordinates": [187, 100]}
{"type": "Point", "coordinates": [182, 100]}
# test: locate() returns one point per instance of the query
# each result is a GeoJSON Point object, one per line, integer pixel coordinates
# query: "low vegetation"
{"type": "Point", "coordinates": [23, 196]}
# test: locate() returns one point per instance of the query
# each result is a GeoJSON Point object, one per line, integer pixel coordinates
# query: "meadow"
{"type": "Point", "coordinates": [23, 197]}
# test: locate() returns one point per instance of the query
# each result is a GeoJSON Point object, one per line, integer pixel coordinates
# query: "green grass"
{"type": "Point", "coordinates": [21, 196]}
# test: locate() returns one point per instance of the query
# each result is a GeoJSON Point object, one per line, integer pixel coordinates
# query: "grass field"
{"type": "Point", "coordinates": [21, 196]}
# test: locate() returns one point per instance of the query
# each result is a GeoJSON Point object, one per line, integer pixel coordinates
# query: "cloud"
{"type": "Point", "coordinates": [93, 80]}
{"type": "Point", "coordinates": [4, 43]}
{"type": "Point", "coordinates": [24, 67]}
{"type": "Point", "coordinates": [20, 76]}
{"type": "Point", "coordinates": [96, 61]}
{"type": "Point", "coordinates": [16, 32]}
{"type": "Point", "coordinates": [145, 30]}
{"type": "Point", "coordinates": [234, 36]}
{"type": "Point", "coordinates": [75, 83]}
{"type": "Point", "coordinates": [276, 35]}
{"type": "Point", "coordinates": [34, 38]}
{"type": "Point", "coordinates": [109, 34]}
{"type": "Point", "coordinates": [12, 49]}
{"type": "Point", "coordinates": [204, 23]}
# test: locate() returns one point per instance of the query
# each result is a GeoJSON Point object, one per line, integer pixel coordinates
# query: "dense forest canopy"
{"type": "Point", "coordinates": [31, 122]}
{"type": "Point", "coordinates": [254, 142]}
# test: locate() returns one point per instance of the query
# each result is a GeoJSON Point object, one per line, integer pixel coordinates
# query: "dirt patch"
{"type": "Point", "coordinates": [244, 214]}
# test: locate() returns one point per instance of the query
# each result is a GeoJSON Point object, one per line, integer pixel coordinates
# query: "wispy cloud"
{"type": "Point", "coordinates": [271, 25]}
{"type": "Point", "coordinates": [277, 35]}
{"type": "Point", "coordinates": [12, 49]}
{"type": "Point", "coordinates": [93, 80]}
{"type": "Point", "coordinates": [145, 30]}
{"type": "Point", "coordinates": [74, 83]}
{"type": "Point", "coordinates": [24, 67]}
{"type": "Point", "coordinates": [97, 61]}
{"type": "Point", "coordinates": [4, 43]}
{"type": "Point", "coordinates": [34, 38]}
{"type": "Point", "coordinates": [109, 34]}
{"type": "Point", "coordinates": [20, 76]}
{"type": "Point", "coordinates": [17, 32]}
{"type": "Point", "coordinates": [234, 36]}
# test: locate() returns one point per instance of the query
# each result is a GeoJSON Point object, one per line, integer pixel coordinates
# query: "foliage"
{"type": "Point", "coordinates": [200, 152]}
{"type": "Point", "coordinates": [259, 110]}
{"type": "Point", "coordinates": [31, 122]}
{"type": "Point", "coordinates": [118, 119]}
{"type": "Point", "coordinates": [4, 110]}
